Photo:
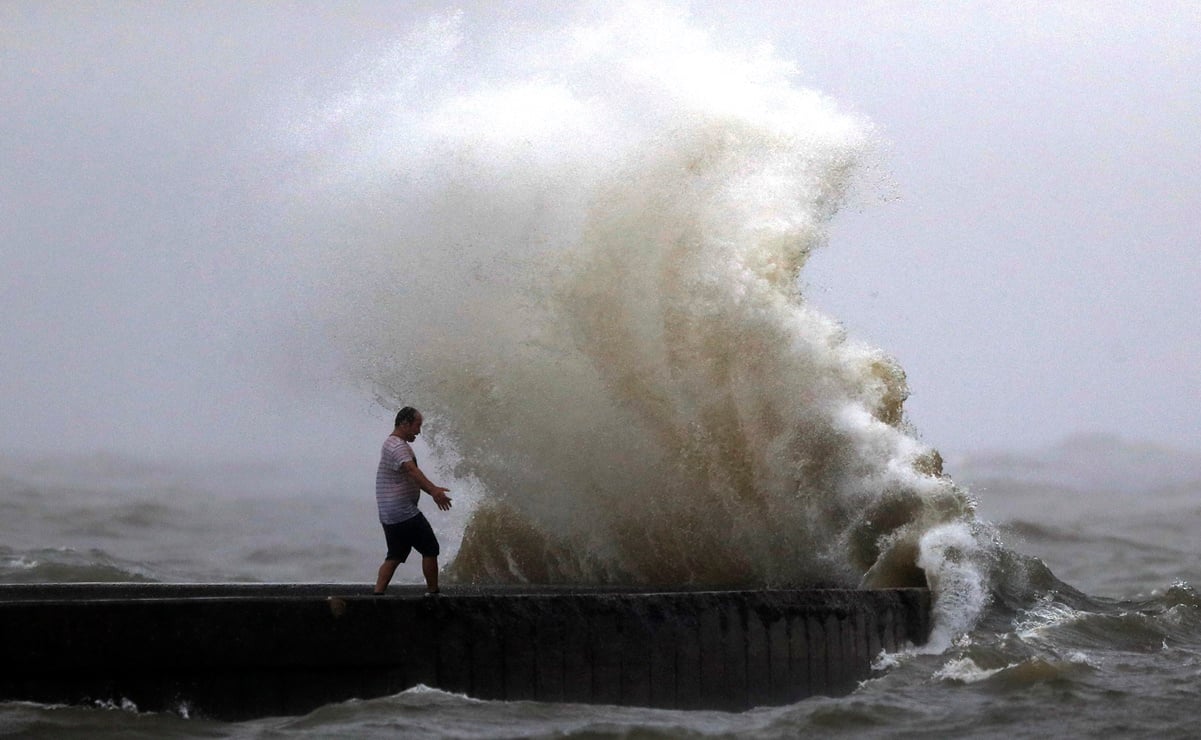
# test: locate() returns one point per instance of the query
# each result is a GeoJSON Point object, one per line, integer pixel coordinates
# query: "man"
{"type": "Point", "coordinates": [398, 486]}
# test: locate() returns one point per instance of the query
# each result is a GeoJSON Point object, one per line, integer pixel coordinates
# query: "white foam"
{"type": "Point", "coordinates": [580, 258]}
{"type": "Point", "coordinates": [965, 670]}
{"type": "Point", "coordinates": [955, 562]}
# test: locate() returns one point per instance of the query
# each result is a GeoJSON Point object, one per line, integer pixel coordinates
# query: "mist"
{"type": "Point", "coordinates": [1029, 258]}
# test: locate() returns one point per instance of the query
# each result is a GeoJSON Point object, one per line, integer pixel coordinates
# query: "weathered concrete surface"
{"type": "Point", "coordinates": [249, 650]}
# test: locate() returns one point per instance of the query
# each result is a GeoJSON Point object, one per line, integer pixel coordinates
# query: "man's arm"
{"type": "Point", "coordinates": [438, 493]}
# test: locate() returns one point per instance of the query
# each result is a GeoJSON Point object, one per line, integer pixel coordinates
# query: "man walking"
{"type": "Point", "coordinates": [398, 486]}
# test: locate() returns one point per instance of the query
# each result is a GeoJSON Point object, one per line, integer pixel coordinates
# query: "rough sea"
{"type": "Point", "coordinates": [582, 255]}
{"type": "Point", "coordinates": [1110, 646]}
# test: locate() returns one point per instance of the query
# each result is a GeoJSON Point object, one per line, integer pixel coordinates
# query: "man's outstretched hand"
{"type": "Point", "coordinates": [441, 499]}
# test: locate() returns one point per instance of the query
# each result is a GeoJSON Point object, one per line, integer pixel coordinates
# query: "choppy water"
{"type": "Point", "coordinates": [580, 253]}
{"type": "Point", "coordinates": [1115, 653]}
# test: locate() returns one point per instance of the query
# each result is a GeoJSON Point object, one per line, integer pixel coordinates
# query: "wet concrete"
{"type": "Point", "coordinates": [236, 651]}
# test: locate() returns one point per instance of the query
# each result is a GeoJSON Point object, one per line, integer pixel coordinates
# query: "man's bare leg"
{"type": "Point", "coordinates": [429, 567]}
{"type": "Point", "coordinates": [386, 570]}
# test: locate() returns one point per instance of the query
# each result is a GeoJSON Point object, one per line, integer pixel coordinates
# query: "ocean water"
{"type": "Point", "coordinates": [1110, 645]}
{"type": "Point", "coordinates": [582, 256]}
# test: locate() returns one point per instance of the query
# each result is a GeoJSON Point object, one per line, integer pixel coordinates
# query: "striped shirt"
{"type": "Point", "coordinates": [396, 492]}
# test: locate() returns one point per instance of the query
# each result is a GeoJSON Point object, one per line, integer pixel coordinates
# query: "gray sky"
{"type": "Point", "coordinates": [1037, 273]}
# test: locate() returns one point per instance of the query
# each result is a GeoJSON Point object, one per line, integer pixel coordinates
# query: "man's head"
{"type": "Point", "coordinates": [408, 423]}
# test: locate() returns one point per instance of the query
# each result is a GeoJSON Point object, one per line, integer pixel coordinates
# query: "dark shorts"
{"type": "Point", "coordinates": [411, 534]}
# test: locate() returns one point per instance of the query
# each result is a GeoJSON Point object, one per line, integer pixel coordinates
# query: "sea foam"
{"type": "Point", "coordinates": [580, 257]}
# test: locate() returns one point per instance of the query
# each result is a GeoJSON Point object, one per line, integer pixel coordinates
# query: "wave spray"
{"type": "Point", "coordinates": [579, 255]}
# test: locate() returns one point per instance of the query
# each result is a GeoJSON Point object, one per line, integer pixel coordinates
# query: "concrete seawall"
{"type": "Point", "coordinates": [240, 651]}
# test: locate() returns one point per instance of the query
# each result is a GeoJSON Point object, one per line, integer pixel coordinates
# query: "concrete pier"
{"type": "Point", "coordinates": [236, 651]}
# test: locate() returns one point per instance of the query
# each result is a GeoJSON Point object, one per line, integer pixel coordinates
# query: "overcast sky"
{"type": "Point", "coordinates": [1037, 272]}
